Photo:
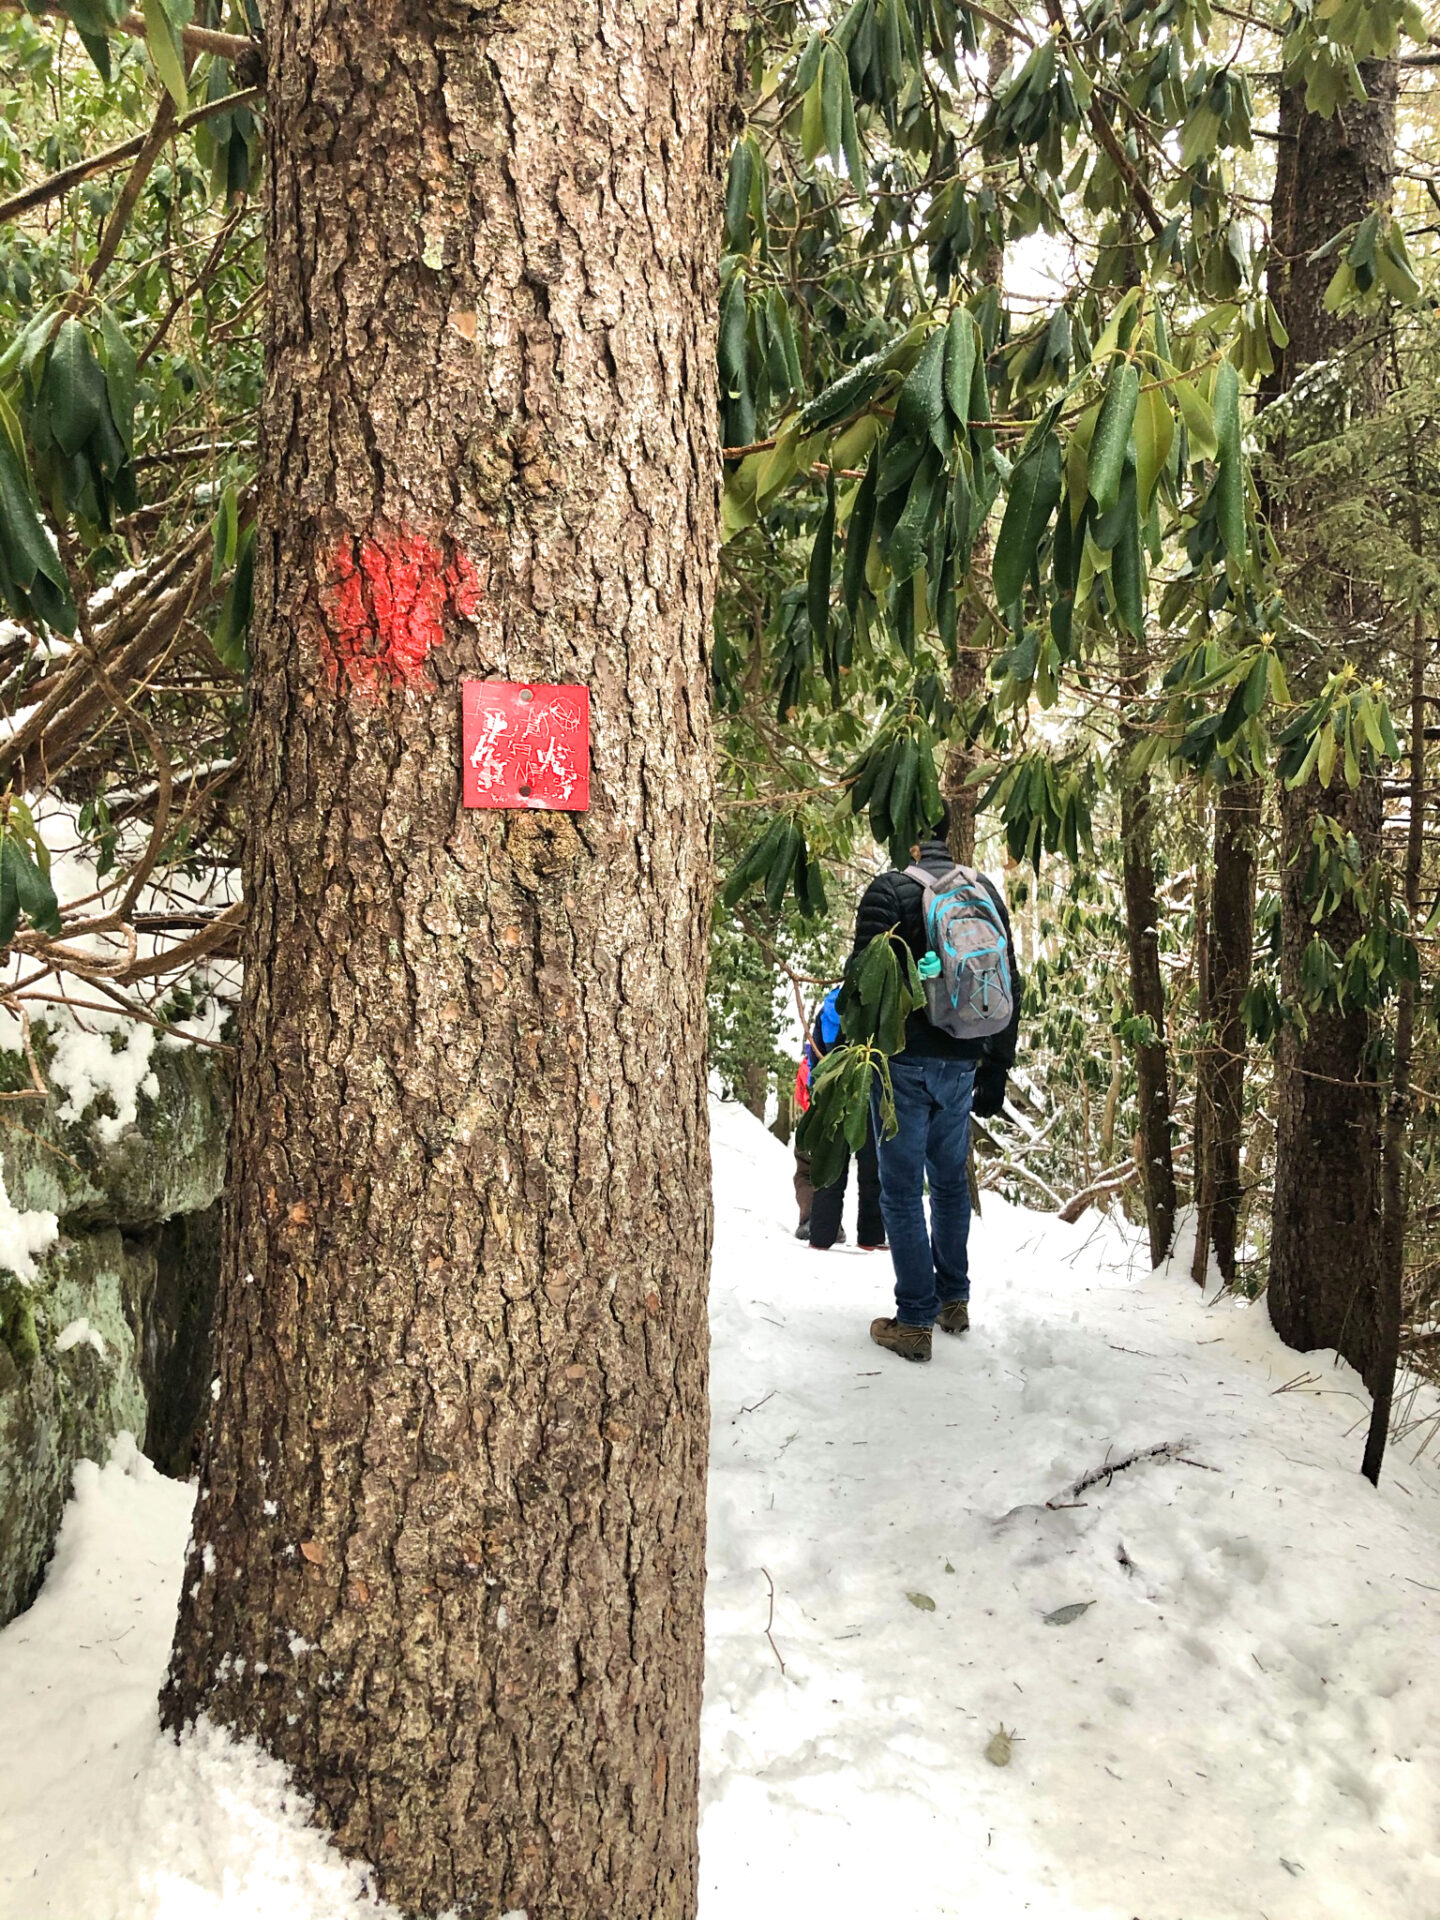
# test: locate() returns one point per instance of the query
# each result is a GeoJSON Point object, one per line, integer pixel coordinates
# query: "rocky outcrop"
{"type": "Point", "coordinates": [172, 1161]}
{"type": "Point", "coordinates": [113, 1331]}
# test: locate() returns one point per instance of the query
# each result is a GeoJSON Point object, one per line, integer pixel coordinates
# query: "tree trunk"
{"type": "Point", "coordinates": [783, 1125]}
{"type": "Point", "coordinates": [967, 671]}
{"type": "Point", "coordinates": [1147, 992]}
{"type": "Point", "coordinates": [448, 1558]}
{"type": "Point", "coordinates": [1326, 1239]}
{"type": "Point", "coordinates": [1326, 1251]}
{"type": "Point", "coordinates": [1154, 1146]}
{"type": "Point", "coordinates": [755, 1085]}
{"type": "Point", "coordinates": [966, 678]}
{"type": "Point", "coordinates": [1220, 1069]}
{"type": "Point", "coordinates": [1200, 1198]}
{"type": "Point", "coordinates": [1112, 1101]}
{"type": "Point", "coordinates": [1397, 1111]}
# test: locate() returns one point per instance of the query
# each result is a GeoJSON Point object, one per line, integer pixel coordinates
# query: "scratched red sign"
{"type": "Point", "coordinates": [526, 746]}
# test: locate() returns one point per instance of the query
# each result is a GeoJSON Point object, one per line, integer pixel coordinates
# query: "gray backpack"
{"type": "Point", "coordinates": [972, 996]}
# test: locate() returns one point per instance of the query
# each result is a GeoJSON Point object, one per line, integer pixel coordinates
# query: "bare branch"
{"type": "Point", "coordinates": [185, 953]}
{"type": "Point", "coordinates": [1108, 1183]}
{"type": "Point", "coordinates": [230, 46]}
{"type": "Point", "coordinates": [112, 157]}
{"type": "Point", "coordinates": [160, 131]}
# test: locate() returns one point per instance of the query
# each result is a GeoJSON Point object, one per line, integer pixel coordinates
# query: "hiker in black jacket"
{"type": "Point", "coordinates": [939, 1080]}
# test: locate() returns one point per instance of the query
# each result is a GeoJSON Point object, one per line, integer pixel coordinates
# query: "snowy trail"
{"type": "Point", "coordinates": [1245, 1722]}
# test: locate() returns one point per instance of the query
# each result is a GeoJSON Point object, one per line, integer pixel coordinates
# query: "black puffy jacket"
{"type": "Point", "coordinates": [895, 900]}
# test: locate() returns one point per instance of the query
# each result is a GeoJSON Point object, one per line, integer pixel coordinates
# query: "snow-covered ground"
{"type": "Point", "coordinates": [1243, 1720]}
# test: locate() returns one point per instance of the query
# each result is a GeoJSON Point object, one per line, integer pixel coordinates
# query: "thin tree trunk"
{"type": "Point", "coordinates": [1325, 1250]}
{"type": "Point", "coordinates": [966, 677]}
{"type": "Point", "coordinates": [967, 673]}
{"type": "Point", "coordinates": [755, 1082]}
{"type": "Point", "coordinates": [448, 1557]}
{"type": "Point", "coordinates": [1397, 1112]}
{"type": "Point", "coordinates": [1112, 1101]}
{"type": "Point", "coordinates": [1220, 1075]}
{"type": "Point", "coordinates": [1201, 1196]}
{"type": "Point", "coordinates": [1253, 1156]}
{"type": "Point", "coordinates": [1147, 994]}
{"type": "Point", "coordinates": [1326, 1246]}
{"type": "Point", "coordinates": [1154, 1149]}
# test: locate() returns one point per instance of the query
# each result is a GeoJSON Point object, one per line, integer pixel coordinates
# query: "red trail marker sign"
{"type": "Point", "coordinates": [526, 745]}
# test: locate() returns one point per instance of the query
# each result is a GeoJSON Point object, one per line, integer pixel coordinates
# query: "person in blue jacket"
{"type": "Point", "coordinates": [827, 1204]}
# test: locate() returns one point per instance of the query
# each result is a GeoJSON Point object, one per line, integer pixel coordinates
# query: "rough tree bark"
{"type": "Point", "coordinates": [448, 1552]}
{"type": "Point", "coordinates": [1326, 1252]}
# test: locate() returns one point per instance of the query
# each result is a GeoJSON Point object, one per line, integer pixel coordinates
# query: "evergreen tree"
{"type": "Point", "coordinates": [448, 1557]}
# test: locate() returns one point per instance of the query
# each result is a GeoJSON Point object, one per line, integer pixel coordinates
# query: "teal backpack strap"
{"type": "Point", "coordinates": [928, 966]}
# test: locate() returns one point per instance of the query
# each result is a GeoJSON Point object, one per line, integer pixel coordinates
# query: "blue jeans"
{"type": "Point", "coordinates": [932, 1105]}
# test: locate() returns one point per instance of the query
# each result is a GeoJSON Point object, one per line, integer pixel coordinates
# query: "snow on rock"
{"type": "Point", "coordinates": [24, 1235]}
{"type": "Point", "coordinates": [80, 1333]}
{"type": "Point", "coordinates": [1214, 1668]}
{"type": "Point", "coordinates": [99, 1053]}
{"type": "Point", "coordinates": [87, 1065]}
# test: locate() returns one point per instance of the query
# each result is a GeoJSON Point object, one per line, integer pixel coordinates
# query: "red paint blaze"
{"type": "Point", "coordinates": [386, 601]}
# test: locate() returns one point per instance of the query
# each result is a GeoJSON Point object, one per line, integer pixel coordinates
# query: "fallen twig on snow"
{"type": "Point", "coordinates": [771, 1621]}
{"type": "Point", "coordinates": [1166, 1450]}
{"type": "Point", "coordinates": [1301, 1380]}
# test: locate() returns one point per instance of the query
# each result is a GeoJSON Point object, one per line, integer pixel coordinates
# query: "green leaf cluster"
{"type": "Point", "coordinates": [842, 1088]}
{"type": "Point", "coordinates": [1045, 806]}
{"type": "Point", "coordinates": [882, 988]}
{"type": "Point", "coordinates": [25, 889]}
{"type": "Point", "coordinates": [77, 405]}
{"type": "Point", "coordinates": [895, 782]}
{"type": "Point", "coordinates": [777, 860]}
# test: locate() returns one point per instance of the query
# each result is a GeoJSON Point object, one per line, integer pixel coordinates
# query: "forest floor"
{"type": "Point", "coordinates": [1214, 1667]}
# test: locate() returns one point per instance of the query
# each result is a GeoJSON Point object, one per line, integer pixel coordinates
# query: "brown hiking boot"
{"type": "Point", "coordinates": [955, 1317]}
{"type": "Point", "coordinates": [911, 1343]}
